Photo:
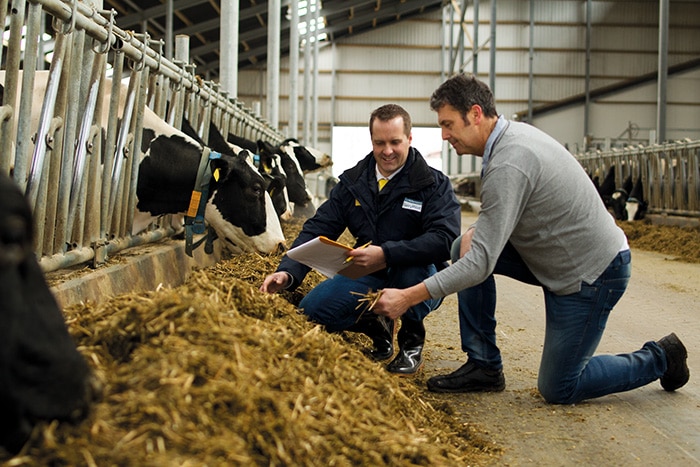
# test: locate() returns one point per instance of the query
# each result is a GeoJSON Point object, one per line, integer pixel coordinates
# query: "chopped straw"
{"type": "Point", "coordinates": [216, 373]}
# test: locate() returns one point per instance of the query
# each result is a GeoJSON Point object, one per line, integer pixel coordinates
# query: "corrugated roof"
{"type": "Point", "coordinates": [200, 19]}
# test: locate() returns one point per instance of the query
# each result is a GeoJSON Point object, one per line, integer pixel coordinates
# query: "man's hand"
{"type": "Point", "coordinates": [275, 282]}
{"type": "Point", "coordinates": [394, 302]}
{"type": "Point", "coordinates": [368, 257]}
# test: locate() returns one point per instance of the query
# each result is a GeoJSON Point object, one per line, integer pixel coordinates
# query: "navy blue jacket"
{"type": "Point", "coordinates": [414, 219]}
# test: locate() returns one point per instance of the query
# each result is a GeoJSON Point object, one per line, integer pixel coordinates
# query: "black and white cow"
{"type": "Point", "coordinates": [607, 186]}
{"type": "Point", "coordinates": [42, 375]}
{"type": "Point", "coordinates": [242, 143]}
{"type": "Point", "coordinates": [310, 159]}
{"type": "Point", "coordinates": [274, 177]}
{"type": "Point", "coordinates": [238, 207]}
{"type": "Point", "coordinates": [296, 183]}
{"type": "Point", "coordinates": [635, 205]}
{"type": "Point", "coordinates": [618, 199]}
{"type": "Point", "coordinates": [270, 167]}
{"type": "Point", "coordinates": [624, 203]}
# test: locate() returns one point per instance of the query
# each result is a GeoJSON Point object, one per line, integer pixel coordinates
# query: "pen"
{"type": "Point", "coordinates": [350, 258]}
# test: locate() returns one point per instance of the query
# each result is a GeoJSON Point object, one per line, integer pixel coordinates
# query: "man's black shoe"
{"type": "Point", "coordinates": [677, 372]}
{"type": "Point", "coordinates": [411, 338]}
{"type": "Point", "coordinates": [381, 330]}
{"type": "Point", "coordinates": [382, 335]}
{"type": "Point", "coordinates": [407, 362]}
{"type": "Point", "coordinates": [469, 378]}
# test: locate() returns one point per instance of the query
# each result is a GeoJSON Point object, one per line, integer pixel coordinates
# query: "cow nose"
{"type": "Point", "coordinates": [280, 248]}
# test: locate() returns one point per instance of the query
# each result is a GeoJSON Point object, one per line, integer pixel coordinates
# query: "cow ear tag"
{"type": "Point", "coordinates": [216, 174]}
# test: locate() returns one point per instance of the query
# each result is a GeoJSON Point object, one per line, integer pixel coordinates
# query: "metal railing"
{"type": "Point", "coordinates": [670, 174]}
{"type": "Point", "coordinates": [78, 175]}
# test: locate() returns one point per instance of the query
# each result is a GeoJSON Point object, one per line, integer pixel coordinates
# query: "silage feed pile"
{"type": "Point", "coordinates": [216, 373]}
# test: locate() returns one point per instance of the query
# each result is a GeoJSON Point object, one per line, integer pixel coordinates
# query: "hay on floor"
{"type": "Point", "coordinates": [216, 373]}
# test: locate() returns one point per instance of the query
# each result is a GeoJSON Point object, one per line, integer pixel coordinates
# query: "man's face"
{"type": "Point", "coordinates": [390, 145]}
{"type": "Point", "coordinates": [463, 136]}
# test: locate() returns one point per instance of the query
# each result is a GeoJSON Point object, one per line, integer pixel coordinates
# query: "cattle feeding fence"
{"type": "Point", "coordinates": [80, 177]}
{"type": "Point", "coordinates": [670, 174]}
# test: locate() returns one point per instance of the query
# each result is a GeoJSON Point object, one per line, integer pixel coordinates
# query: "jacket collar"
{"type": "Point", "coordinates": [416, 171]}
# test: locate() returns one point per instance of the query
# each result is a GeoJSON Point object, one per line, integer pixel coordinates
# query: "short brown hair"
{"type": "Point", "coordinates": [389, 112]}
{"type": "Point", "coordinates": [462, 92]}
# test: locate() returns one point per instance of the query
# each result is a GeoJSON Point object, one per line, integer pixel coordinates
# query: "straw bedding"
{"type": "Point", "coordinates": [216, 373]}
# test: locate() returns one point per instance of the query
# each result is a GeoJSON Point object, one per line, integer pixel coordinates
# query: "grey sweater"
{"type": "Point", "coordinates": [537, 196]}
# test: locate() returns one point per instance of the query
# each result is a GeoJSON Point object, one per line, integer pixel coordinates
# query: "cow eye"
{"type": "Point", "coordinates": [258, 189]}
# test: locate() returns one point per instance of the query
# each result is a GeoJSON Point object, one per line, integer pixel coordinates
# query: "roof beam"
{"type": "Point", "coordinates": [408, 7]}
{"type": "Point", "coordinates": [149, 13]}
{"type": "Point", "coordinates": [159, 10]}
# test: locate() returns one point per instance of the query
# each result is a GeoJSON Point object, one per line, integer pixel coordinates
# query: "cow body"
{"type": "Point", "coordinates": [42, 375]}
{"type": "Point", "coordinates": [238, 208]}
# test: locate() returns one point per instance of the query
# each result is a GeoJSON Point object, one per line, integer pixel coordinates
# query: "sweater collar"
{"type": "Point", "coordinates": [495, 134]}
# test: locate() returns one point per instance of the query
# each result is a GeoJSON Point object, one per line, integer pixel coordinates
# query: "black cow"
{"type": "Point", "coordinates": [42, 375]}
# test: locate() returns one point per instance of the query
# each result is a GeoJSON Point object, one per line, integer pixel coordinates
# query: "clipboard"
{"type": "Point", "coordinates": [329, 258]}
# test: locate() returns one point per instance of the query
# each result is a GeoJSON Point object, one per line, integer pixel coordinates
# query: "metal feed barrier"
{"type": "Point", "coordinates": [80, 178]}
{"type": "Point", "coordinates": [670, 174]}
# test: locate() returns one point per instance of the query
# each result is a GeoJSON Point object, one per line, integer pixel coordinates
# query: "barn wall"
{"type": "Point", "coordinates": [403, 64]}
{"type": "Point", "coordinates": [629, 117]}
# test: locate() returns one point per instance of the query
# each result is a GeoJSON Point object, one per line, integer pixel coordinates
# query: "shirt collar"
{"type": "Point", "coordinates": [497, 130]}
{"type": "Point", "coordinates": [380, 176]}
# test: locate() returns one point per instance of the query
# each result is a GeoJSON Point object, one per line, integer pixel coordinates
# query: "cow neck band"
{"type": "Point", "coordinates": [194, 218]}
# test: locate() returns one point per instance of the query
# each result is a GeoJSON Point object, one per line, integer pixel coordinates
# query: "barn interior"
{"type": "Point", "coordinates": [616, 82]}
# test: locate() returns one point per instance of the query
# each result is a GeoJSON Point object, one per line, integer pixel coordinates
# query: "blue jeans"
{"type": "Point", "coordinates": [331, 304]}
{"type": "Point", "coordinates": [575, 323]}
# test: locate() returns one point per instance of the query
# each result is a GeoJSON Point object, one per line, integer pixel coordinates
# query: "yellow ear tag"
{"type": "Point", "coordinates": [216, 174]}
{"type": "Point", "coordinates": [357, 202]}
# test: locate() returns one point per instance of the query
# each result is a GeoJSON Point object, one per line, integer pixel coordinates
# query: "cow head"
{"type": "Point", "coordinates": [237, 199]}
{"type": "Point", "coordinates": [618, 199]}
{"type": "Point", "coordinates": [607, 186]}
{"type": "Point", "coordinates": [636, 207]}
{"type": "Point", "coordinates": [239, 209]}
{"type": "Point", "coordinates": [42, 375]}
{"type": "Point", "coordinates": [296, 184]}
{"type": "Point", "coordinates": [270, 167]}
{"type": "Point", "coordinates": [309, 158]}
{"type": "Point", "coordinates": [242, 143]}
